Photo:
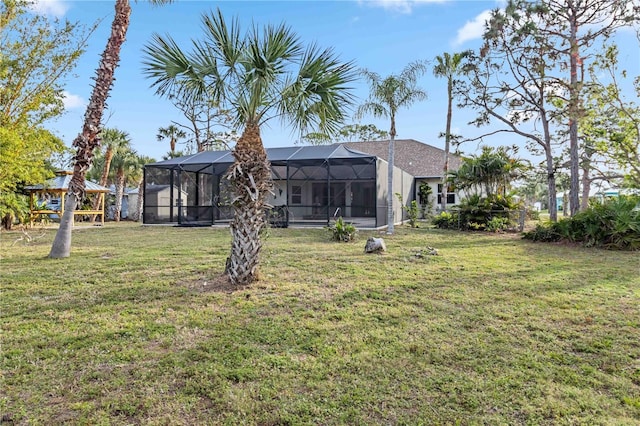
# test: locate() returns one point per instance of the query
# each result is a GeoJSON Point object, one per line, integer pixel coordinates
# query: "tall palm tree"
{"type": "Point", "coordinates": [448, 66]}
{"type": "Point", "coordinates": [136, 175]}
{"type": "Point", "coordinates": [258, 75]}
{"type": "Point", "coordinates": [173, 133]}
{"type": "Point", "coordinates": [87, 141]}
{"type": "Point", "coordinates": [113, 142]}
{"type": "Point", "coordinates": [123, 162]}
{"type": "Point", "coordinates": [386, 96]}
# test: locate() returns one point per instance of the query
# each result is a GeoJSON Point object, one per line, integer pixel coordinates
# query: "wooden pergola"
{"type": "Point", "coordinates": [58, 188]}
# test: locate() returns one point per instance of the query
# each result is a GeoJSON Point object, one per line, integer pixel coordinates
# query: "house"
{"type": "Point", "coordinates": [424, 162]}
{"type": "Point", "coordinates": [312, 186]}
{"type": "Point", "coordinates": [129, 203]}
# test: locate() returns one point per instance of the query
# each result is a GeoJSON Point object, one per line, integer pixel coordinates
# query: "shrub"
{"type": "Point", "coordinates": [446, 220]}
{"type": "Point", "coordinates": [479, 214]}
{"type": "Point", "coordinates": [614, 224]}
{"type": "Point", "coordinates": [343, 231]}
{"type": "Point", "coordinates": [413, 211]}
{"type": "Point", "coordinates": [496, 224]}
{"type": "Point", "coordinates": [13, 208]}
{"type": "Point", "coordinates": [544, 233]}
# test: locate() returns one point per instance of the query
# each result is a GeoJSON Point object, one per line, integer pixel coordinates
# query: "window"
{"type": "Point", "coordinates": [296, 194]}
{"type": "Point", "coordinates": [451, 196]}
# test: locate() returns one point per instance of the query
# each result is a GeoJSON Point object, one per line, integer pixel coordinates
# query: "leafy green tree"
{"type": "Point", "coordinates": [173, 133]}
{"type": "Point", "coordinates": [449, 66]}
{"type": "Point", "coordinates": [89, 139]}
{"type": "Point", "coordinates": [387, 96]}
{"type": "Point", "coordinates": [258, 75]}
{"type": "Point", "coordinates": [565, 31]}
{"type": "Point", "coordinates": [37, 54]}
{"type": "Point", "coordinates": [614, 120]}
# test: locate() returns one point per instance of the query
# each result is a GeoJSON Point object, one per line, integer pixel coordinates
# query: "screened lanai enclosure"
{"type": "Point", "coordinates": [312, 185]}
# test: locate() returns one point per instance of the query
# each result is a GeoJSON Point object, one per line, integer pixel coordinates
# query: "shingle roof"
{"type": "Point", "coordinates": [412, 156]}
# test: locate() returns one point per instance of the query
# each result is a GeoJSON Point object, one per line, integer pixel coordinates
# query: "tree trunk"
{"type": "Point", "coordinates": [586, 185]}
{"type": "Point", "coordinates": [250, 178]}
{"type": "Point", "coordinates": [88, 140]}
{"type": "Point", "coordinates": [551, 183]}
{"type": "Point", "coordinates": [392, 137]}
{"type": "Point", "coordinates": [103, 179]}
{"type": "Point", "coordinates": [120, 181]}
{"type": "Point", "coordinates": [447, 147]}
{"type": "Point", "coordinates": [62, 242]}
{"type": "Point", "coordinates": [139, 204]}
{"type": "Point", "coordinates": [574, 98]}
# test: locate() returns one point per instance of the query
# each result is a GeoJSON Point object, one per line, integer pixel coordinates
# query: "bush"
{"type": "Point", "coordinates": [13, 208]}
{"type": "Point", "coordinates": [446, 220]}
{"type": "Point", "coordinates": [343, 231]}
{"type": "Point", "coordinates": [480, 214]}
{"type": "Point", "coordinates": [614, 224]}
{"type": "Point", "coordinates": [413, 211]}
{"type": "Point", "coordinates": [546, 233]}
{"type": "Point", "coordinates": [496, 224]}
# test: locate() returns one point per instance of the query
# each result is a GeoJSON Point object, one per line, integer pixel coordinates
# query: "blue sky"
{"type": "Point", "coordinates": [380, 35]}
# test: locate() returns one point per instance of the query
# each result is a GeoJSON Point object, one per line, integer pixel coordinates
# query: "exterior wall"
{"type": "Point", "coordinates": [406, 189]}
{"type": "Point", "coordinates": [402, 184]}
{"type": "Point", "coordinates": [433, 183]}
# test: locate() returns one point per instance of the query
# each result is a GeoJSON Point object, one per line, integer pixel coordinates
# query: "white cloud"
{"type": "Point", "coordinates": [55, 8]}
{"type": "Point", "coordinates": [402, 6]}
{"type": "Point", "coordinates": [71, 101]}
{"type": "Point", "coordinates": [473, 29]}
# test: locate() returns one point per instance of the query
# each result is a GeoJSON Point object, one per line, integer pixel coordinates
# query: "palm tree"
{"type": "Point", "coordinates": [448, 66]}
{"type": "Point", "coordinates": [173, 133]}
{"type": "Point", "coordinates": [261, 74]}
{"type": "Point", "coordinates": [386, 97]}
{"type": "Point", "coordinates": [113, 141]}
{"type": "Point", "coordinates": [123, 162]}
{"type": "Point", "coordinates": [489, 174]}
{"type": "Point", "coordinates": [87, 141]}
{"type": "Point", "coordinates": [136, 174]}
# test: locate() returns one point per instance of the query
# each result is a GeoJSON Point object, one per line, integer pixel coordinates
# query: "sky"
{"type": "Point", "coordinates": [382, 36]}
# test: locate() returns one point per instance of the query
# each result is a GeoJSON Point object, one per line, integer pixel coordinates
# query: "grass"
{"type": "Point", "coordinates": [137, 328]}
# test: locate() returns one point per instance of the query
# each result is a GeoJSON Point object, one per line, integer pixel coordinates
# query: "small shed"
{"type": "Point", "coordinates": [53, 193]}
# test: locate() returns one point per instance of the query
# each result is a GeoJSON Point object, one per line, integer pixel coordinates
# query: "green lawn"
{"type": "Point", "coordinates": [137, 328]}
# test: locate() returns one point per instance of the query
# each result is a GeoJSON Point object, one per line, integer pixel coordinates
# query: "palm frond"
{"type": "Point", "coordinates": [317, 99]}
{"type": "Point", "coordinates": [169, 67]}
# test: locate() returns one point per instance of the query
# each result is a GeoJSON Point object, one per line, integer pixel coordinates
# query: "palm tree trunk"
{"type": "Point", "coordinates": [392, 137]}
{"type": "Point", "coordinates": [120, 181]}
{"type": "Point", "coordinates": [447, 147]}
{"type": "Point", "coordinates": [250, 177]}
{"type": "Point", "coordinates": [103, 178]}
{"type": "Point", "coordinates": [88, 140]}
{"type": "Point", "coordinates": [140, 201]}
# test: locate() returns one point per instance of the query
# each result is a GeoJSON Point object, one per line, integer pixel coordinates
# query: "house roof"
{"type": "Point", "coordinates": [60, 183]}
{"type": "Point", "coordinates": [412, 156]}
